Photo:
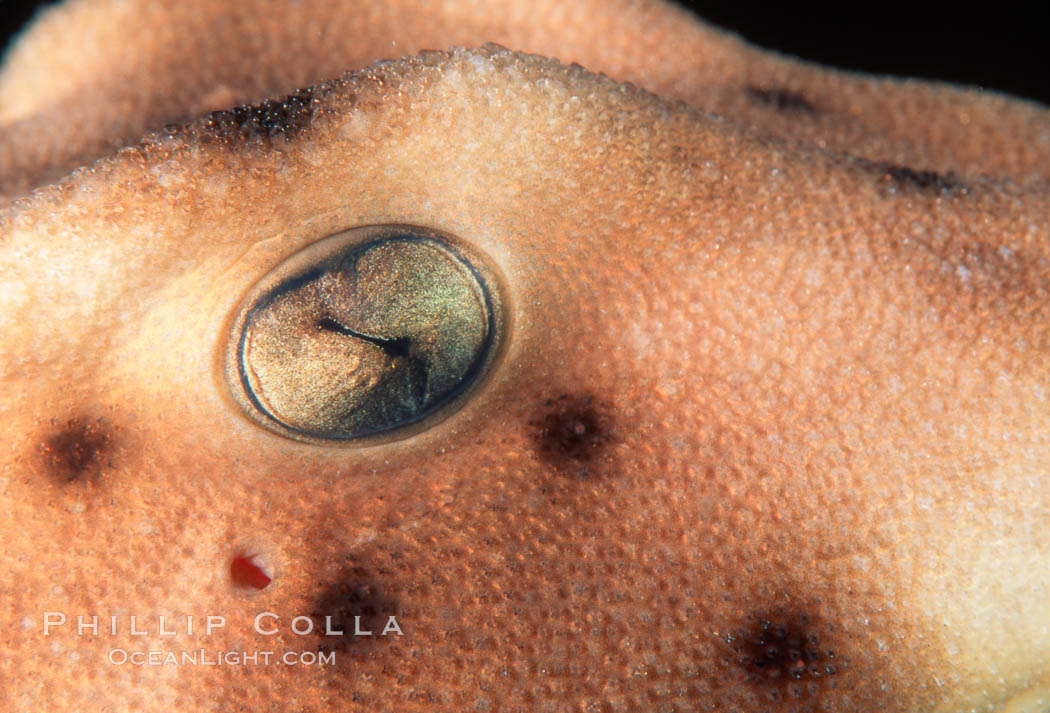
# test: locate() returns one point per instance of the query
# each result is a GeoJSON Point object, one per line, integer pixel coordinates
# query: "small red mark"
{"type": "Point", "coordinates": [245, 573]}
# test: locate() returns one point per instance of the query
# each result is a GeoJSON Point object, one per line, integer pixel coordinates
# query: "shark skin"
{"type": "Point", "coordinates": [765, 427]}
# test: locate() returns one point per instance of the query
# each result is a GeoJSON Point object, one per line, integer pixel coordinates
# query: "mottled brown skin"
{"type": "Point", "coordinates": [769, 430]}
{"type": "Point", "coordinates": [96, 74]}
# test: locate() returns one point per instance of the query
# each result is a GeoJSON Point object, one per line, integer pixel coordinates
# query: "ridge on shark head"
{"type": "Point", "coordinates": [574, 394]}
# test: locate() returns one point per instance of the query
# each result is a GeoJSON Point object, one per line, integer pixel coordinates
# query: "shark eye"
{"type": "Point", "coordinates": [362, 333]}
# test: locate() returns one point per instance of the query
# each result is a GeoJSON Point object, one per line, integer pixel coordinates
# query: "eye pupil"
{"type": "Point", "coordinates": [397, 347]}
{"type": "Point", "coordinates": [364, 333]}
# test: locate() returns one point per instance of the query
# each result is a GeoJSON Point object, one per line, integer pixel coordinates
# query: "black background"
{"type": "Point", "coordinates": [1005, 47]}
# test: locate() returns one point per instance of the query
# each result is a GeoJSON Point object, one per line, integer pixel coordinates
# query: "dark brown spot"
{"type": "Point", "coordinates": [781, 99]}
{"type": "Point", "coordinates": [78, 450]}
{"type": "Point", "coordinates": [573, 433]}
{"type": "Point", "coordinates": [354, 602]}
{"type": "Point", "coordinates": [788, 656]}
{"type": "Point", "coordinates": [271, 119]}
{"type": "Point", "coordinates": [903, 177]}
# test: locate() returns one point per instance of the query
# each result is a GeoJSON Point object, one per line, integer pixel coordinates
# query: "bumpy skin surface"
{"type": "Point", "coordinates": [817, 389]}
{"type": "Point", "coordinates": [95, 74]}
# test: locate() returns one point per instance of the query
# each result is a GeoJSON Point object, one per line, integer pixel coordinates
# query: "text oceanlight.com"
{"type": "Point", "coordinates": [201, 657]}
{"type": "Point", "coordinates": [186, 626]}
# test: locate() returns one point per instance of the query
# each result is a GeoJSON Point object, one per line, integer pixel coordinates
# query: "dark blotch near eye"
{"type": "Point", "coordinates": [77, 450]}
{"type": "Point", "coordinates": [781, 99]}
{"type": "Point", "coordinates": [573, 433]}
{"type": "Point", "coordinates": [274, 118]}
{"type": "Point", "coordinates": [907, 178]}
{"type": "Point", "coordinates": [356, 601]}
{"type": "Point", "coordinates": [787, 656]}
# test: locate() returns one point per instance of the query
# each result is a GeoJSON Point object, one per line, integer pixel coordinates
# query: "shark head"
{"type": "Point", "coordinates": [473, 380]}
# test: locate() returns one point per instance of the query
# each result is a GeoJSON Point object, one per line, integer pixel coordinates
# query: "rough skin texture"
{"type": "Point", "coordinates": [95, 74]}
{"type": "Point", "coordinates": [769, 431]}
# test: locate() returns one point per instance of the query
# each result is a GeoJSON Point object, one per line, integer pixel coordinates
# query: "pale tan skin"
{"type": "Point", "coordinates": [95, 74]}
{"type": "Point", "coordinates": [822, 391]}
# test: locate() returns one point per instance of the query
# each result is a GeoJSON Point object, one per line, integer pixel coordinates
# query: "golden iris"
{"type": "Point", "coordinates": [365, 332]}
